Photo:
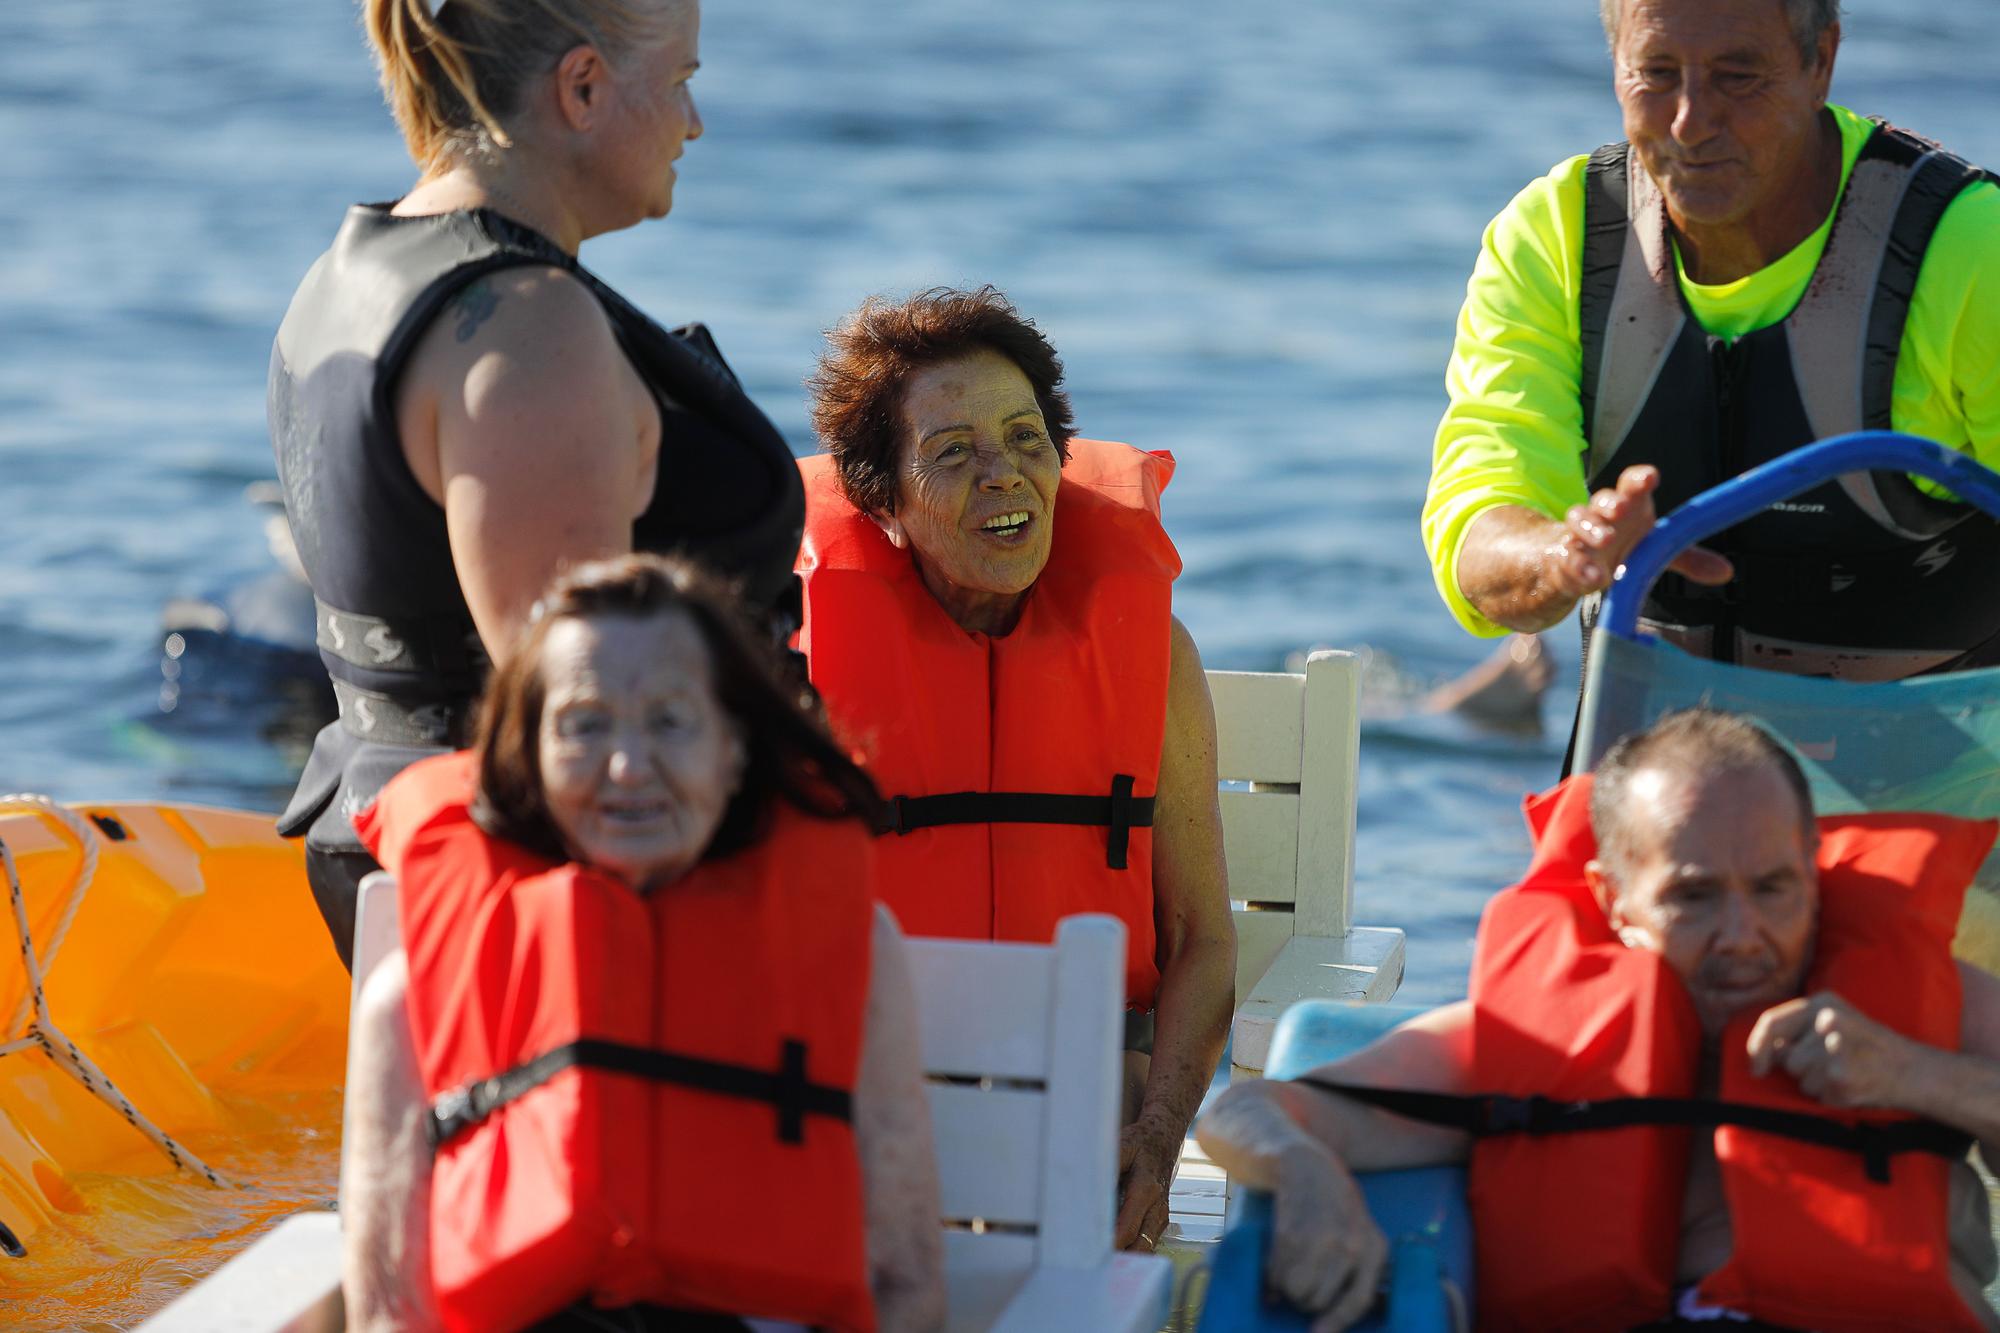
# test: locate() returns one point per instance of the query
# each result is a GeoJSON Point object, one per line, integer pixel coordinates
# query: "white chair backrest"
{"type": "Point", "coordinates": [1021, 1047]}
{"type": "Point", "coordinates": [378, 930]}
{"type": "Point", "coordinates": [1287, 747]}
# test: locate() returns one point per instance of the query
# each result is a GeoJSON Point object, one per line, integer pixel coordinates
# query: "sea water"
{"type": "Point", "coordinates": [126, 1244]}
{"type": "Point", "coordinates": [1247, 228]}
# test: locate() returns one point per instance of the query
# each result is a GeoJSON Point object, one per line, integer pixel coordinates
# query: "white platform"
{"type": "Point", "coordinates": [288, 1281]}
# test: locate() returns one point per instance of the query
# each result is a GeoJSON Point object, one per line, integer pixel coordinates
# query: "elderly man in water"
{"type": "Point", "coordinates": [1717, 949]}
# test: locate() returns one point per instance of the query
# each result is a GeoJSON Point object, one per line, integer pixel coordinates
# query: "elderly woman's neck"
{"type": "Point", "coordinates": [974, 610]}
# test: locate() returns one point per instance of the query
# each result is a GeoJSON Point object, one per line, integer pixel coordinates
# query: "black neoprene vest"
{"type": "Point", "coordinates": [1863, 578]}
{"type": "Point", "coordinates": [394, 629]}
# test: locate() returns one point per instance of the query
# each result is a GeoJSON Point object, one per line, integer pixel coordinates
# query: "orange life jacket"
{"type": "Point", "coordinates": [701, 1155]}
{"type": "Point", "coordinates": [1582, 1230]}
{"type": "Point", "coordinates": [1068, 710]}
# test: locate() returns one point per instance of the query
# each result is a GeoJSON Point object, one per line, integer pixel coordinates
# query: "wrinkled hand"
{"type": "Point", "coordinates": [1147, 1155]}
{"type": "Point", "coordinates": [1327, 1254]}
{"type": "Point", "coordinates": [1597, 537]}
{"type": "Point", "coordinates": [1838, 1054]}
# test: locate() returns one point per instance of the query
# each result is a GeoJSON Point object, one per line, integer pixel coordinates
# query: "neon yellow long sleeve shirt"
{"type": "Point", "coordinates": [1513, 432]}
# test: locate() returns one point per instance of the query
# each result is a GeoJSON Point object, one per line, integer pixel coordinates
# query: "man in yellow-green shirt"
{"type": "Point", "coordinates": [1753, 270]}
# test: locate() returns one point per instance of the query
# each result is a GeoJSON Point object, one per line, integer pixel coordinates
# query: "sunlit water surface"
{"type": "Point", "coordinates": [138, 1240]}
{"type": "Point", "coordinates": [1247, 228]}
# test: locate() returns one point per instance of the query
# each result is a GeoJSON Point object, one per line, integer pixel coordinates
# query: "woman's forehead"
{"type": "Point", "coordinates": [650, 648]}
{"type": "Point", "coordinates": [983, 385]}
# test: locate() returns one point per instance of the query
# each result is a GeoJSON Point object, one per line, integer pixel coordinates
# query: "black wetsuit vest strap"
{"type": "Point", "coordinates": [1488, 1114]}
{"type": "Point", "coordinates": [1120, 812]}
{"type": "Point", "coordinates": [786, 1088]}
{"type": "Point", "coordinates": [1605, 215]}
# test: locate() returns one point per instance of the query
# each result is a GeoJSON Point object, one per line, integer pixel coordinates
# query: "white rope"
{"type": "Point", "coordinates": [42, 1032]}
{"type": "Point", "coordinates": [86, 841]}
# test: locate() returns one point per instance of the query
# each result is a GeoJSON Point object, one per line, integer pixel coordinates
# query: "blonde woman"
{"type": "Point", "coordinates": [459, 408]}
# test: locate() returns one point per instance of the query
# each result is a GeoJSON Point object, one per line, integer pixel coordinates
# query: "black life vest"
{"type": "Point", "coordinates": [1863, 578]}
{"type": "Point", "coordinates": [394, 629]}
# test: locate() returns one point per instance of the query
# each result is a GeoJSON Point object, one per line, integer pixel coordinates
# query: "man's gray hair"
{"type": "Point", "coordinates": [1692, 742]}
{"type": "Point", "coordinates": [1809, 18]}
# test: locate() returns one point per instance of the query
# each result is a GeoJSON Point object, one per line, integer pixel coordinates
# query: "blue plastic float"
{"type": "Point", "coordinates": [1422, 1212]}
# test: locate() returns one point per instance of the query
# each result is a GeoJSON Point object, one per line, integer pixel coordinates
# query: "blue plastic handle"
{"type": "Point", "coordinates": [1780, 479]}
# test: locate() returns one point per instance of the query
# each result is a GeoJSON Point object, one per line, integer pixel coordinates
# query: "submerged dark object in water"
{"type": "Point", "coordinates": [245, 652]}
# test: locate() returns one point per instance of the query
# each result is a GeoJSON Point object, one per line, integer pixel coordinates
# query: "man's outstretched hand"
{"type": "Point", "coordinates": [1598, 535]}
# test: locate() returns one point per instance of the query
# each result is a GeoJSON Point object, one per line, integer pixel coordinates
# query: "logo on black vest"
{"type": "Point", "coordinates": [1935, 557]}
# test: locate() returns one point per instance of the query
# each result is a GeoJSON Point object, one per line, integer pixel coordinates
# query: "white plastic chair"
{"type": "Point", "coordinates": [1287, 748]}
{"type": "Point", "coordinates": [1021, 1044]}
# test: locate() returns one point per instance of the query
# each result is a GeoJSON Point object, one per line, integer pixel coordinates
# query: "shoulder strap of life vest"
{"type": "Point", "coordinates": [1605, 215]}
{"type": "Point", "coordinates": [1844, 350]}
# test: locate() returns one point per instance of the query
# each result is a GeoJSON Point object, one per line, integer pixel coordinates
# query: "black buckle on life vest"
{"type": "Point", "coordinates": [1119, 812]}
{"type": "Point", "coordinates": [1515, 1115]}
{"type": "Point", "coordinates": [462, 1108]}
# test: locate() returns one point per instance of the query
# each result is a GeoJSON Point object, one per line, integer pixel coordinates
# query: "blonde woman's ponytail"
{"type": "Point", "coordinates": [452, 73]}
{"type": "Point", "coordinates": [428, 77]}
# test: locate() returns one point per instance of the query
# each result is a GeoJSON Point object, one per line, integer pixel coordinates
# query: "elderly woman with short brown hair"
{"type": "Point", "coordinates": [989, 619]}
{"type": "Point", "coordinates": [647, 1057]}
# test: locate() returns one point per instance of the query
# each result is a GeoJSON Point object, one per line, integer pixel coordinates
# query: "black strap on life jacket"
{"type": "Point", "coordinates": [1487, 1114]}
{"type": "Point", "coordinates": [787, 1088]}
{"type": "Point", "coordinates": [1121, 812]}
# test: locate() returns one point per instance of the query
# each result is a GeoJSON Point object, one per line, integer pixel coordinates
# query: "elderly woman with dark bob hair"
{"type": "Point", "coordinates": [649, 1045]}
{"type": "Point", "coordinates": [989, 619]}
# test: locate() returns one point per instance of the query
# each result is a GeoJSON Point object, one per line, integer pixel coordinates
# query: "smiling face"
{"type": "Point", "coordinates": [976, 487]}
{"type": "Point", "coordinates": [638, 757]}
{"type": "Point", "coordinates": [1722, 111]}
{"type": "Point", "coordinates": [656, 113]}
{"type": "Point", "coordinates": [1718, 878]}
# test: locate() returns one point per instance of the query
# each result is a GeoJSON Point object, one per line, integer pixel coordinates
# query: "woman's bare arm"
{"type": "Point", "coordinates": [1195, 943]}
{"type": "Point", "coordinates": [520, 415]}
{"type": "Point", "coordinates": [385, 1171]}
{"type": "Point", "coordinates": [892, 1129]}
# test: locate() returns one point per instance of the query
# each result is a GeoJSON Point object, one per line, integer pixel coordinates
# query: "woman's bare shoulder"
{"type": "Point", "coordinates": [531, 316]}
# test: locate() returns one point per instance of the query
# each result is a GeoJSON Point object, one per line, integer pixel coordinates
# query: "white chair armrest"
{"type": "Point", "coordinates": [1128, 1293]}
{"type": "Point", "coordinates": [287, 1282]}
{"type": "Point", "coordinates": [1363, 967]}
